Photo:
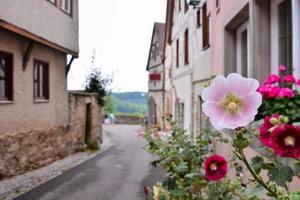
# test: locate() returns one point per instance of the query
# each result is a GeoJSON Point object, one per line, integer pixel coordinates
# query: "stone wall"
{"type": "Point", "coordinates": [128, 119]}
{"type": "Point", "coordinates": [30, 149]}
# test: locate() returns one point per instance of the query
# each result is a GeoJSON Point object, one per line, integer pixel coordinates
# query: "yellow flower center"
{"type": "Point", "coordinates": [232, 104]}
{"type": "Point", "coordinates": [213, 167]}
{"type": "Point", "coordinates": [289, 141]}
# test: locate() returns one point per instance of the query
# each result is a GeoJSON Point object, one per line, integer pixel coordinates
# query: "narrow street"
{"type": "Point", "coordinates": [120, 173]}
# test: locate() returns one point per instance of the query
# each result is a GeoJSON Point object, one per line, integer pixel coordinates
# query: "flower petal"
{"type": "Point", "coordinates": [241, 86]}
{"type": "Point", "coordinates": [217, 90]}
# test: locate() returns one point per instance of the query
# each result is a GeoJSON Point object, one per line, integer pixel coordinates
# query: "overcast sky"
{"type": "Point", "coordinates": [120, 32]}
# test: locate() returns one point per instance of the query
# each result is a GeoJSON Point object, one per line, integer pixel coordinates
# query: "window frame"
{"type": "Point", "coordinates": [45, 80]}
{"type": "Point", "coordinates": [8, 78]}
{"type": "Point", "coordinates": [286, 37]}
{"type": "Point", "coordinates": [61, 7]}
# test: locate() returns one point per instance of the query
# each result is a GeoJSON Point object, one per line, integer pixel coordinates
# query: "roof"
{"type": "Point", "coordinates": [159, 31]}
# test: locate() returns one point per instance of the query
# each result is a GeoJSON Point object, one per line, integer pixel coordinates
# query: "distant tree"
{"type": "Point", "coordinates": [96, 82]}
{"type": "Point", "coordinates": [109, 105]}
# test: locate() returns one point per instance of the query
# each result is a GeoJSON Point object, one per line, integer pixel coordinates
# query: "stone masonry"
{"type": "Point", "coordinates": [30, 149]}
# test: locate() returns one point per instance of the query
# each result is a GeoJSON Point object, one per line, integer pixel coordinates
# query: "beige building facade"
{"type": "Point", "coordinates": [40, 121]}
{"type": "Point", "coordinates": [155, 67]}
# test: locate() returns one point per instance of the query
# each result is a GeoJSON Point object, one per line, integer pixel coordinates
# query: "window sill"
{"type": "Point", "coordinates": [5, 101]}
{"type": "Point", "coordinates": [41, 100]}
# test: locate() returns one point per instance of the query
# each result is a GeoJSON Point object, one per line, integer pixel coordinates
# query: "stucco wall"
{"type": "Point", "coordinates": [43, 19]}
{"type": "Point", "coordinates": [23, 112]}
{"type": "Point", "coordinates": [218, 17]}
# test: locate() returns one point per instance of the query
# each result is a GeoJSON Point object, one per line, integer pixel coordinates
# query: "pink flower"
{"type": "Point", "coordinates": [286, 92]}
{"type": "Point", "coordinates": [298, 82]}
{"type": "Point", "coordinates": [272, 78]}
{"type": "Point", "coordinates": [274, 92]}
{"type": "Point", "coordinates": [215, 168]}
{"type": "Point", "coordinates": [232, 102]}
{"type": "Point", "coordinates": [285, 141]}
{"type": "Point", "coordinates": [289, 78]}
{"type": "Point", "coordinates": [281, 68]}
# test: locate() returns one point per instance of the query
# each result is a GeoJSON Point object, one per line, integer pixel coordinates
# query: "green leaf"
{"type": "Point", "coordinates": [240, 143]}
{"type": "Point", "coordinates": [295, 195]}
{"type": "Point", "coordinates": [281, 175]}
{"type": "Point", "coordinates": [257, 164]}
{"type": "Point", "coordinates": [182, 167]}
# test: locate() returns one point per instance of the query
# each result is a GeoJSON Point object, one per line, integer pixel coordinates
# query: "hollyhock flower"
{"type": "Point", "coordinates": [289, 78]}
{"type": "Point", "coordinates": [273, 92]}
{"type": "Point", "coordinates": [281, 68]}
{"type": "Point", "coordinates": [286, 92]}
{"type": "Point", "coordinates": [266, 129]}
{"type": "Point", "coordinates": [298, 82]}
{"type": "Point", "coordinates": [215, 168]}
{"type": "Point", "coordinates": [232, 102]}
{"type": "Point", "coordinates": [272, 78]}
{"type": "Point", "coordinates": [286, 141]}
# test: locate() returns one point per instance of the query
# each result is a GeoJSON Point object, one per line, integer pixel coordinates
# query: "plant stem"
{"type": "Point", "coordinates": [257, 177]}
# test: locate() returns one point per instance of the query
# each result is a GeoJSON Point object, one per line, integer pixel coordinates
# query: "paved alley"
{"type": "Point", "coordinates": [120, 173]}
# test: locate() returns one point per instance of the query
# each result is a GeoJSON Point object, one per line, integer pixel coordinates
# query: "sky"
{"type": "Point", "coordinates": [118, 33]}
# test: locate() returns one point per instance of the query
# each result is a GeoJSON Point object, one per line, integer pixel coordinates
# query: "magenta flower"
{"type": "Point", "coordinates": [298, 82]}
{"type": "Point", "coordinates": [232, 102]}
{"type": "Point", "coordinates": [286, 92]}
{"type": "Point", "coordinates": [281, 68]}
{"type": "Point", "coordinates": [266, 129]}
{"type": "Point", "coordinates": [289, 78]}
{"type": "Point", "coordinates": [215, 168]}
{"type": "Point", "coordinates": [272, 78]}
{"type": "Point", "coordinates": [285, 141]}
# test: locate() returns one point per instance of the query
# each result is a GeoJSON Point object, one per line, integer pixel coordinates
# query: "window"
{"type": "Point", "coordinates": [179, 114]}
{"type": "Point", "coordinates": [177, 53]}
{"type": "Point", "coordinates": [198, 18]}
{"type": "Point", "coordinates": [41, 80]}
{"type": "Point", "coordinates": [186, 47]}
{"type": "Point", "coordinates": [205, 28]}
{"type": "Point", "coordinates": [285, 35]}
{"type": "Point", "coordinates": [66, 5]}
{"type": "Point", "coordinates": [6, 76]}
{"type": "Point", "coordinates": [244, 38]}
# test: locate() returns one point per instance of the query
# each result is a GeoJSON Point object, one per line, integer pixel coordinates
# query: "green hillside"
{"type": "Point", "coordinates": [130, 102]}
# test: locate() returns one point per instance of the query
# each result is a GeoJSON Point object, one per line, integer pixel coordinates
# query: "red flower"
{"type": "Point", "coordinates": [215, 168]}
{"type": "Point", "coordinates": [286, 141]}
{"type": "Point", "coordinates": [146, 191]}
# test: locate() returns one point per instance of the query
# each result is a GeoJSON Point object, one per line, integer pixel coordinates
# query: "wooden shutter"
{"type": "Point", "coordinates": [205, 28]}
{"type": "Point", "coordinates": [186, 47]}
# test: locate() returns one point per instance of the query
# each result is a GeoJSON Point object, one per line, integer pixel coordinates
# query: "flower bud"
{"type": "Point", "coordinates": [284, 119]}
{"type": "Point", "coordinates": [274, 121]}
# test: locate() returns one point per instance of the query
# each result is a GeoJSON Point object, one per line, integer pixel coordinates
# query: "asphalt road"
{"type": "Point", "coordinates": [119, 173]}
